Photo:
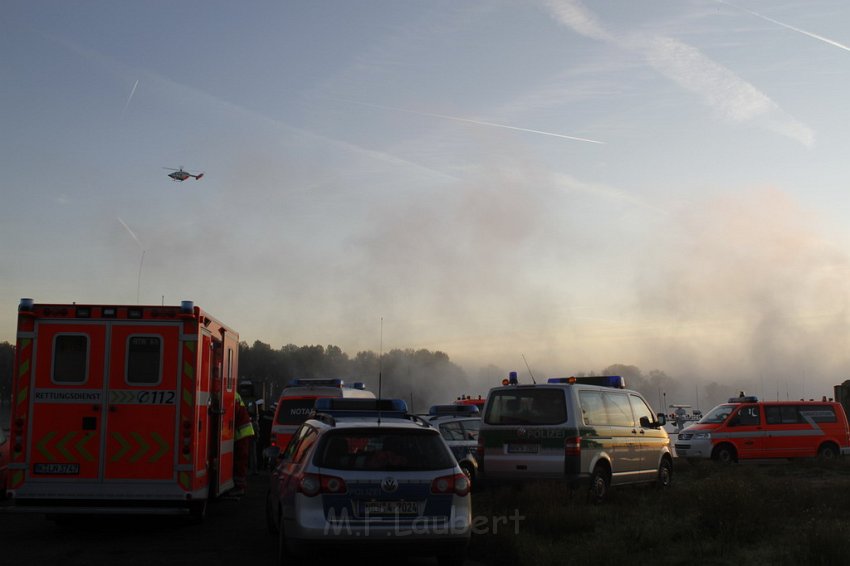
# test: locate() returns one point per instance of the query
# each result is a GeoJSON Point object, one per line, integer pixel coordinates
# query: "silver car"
{"type": "Point", "coordinates": [348, 479]}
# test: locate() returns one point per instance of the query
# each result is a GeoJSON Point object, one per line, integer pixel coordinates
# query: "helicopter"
{"type": "Point", "coordinates": [181, 175]}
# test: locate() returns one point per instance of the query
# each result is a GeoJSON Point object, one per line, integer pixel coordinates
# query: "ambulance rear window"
{"type": "Point", "coordinates": [70, 358]}
{"type": "Point", "coordinates": [144, 360]}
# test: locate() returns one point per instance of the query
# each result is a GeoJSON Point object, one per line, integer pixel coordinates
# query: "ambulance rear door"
{"type": "Point", "coordinates": [66, 424]}
{"type": "Point", "coordinates": [142, 402]}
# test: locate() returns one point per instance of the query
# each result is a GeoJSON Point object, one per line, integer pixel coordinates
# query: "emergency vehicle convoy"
{"type": "Point", "coordinates": [748, 428]}
{"type": "Point", "coordinates": [297, 402]}
{"type": "Point", "coordinates": [121, 409]}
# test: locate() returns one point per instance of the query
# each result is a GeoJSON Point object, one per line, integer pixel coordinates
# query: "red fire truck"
{"type": "Point", "coordinates": [121, 409]}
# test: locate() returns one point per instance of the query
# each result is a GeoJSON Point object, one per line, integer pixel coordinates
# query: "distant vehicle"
{"type": "Point", "coordinates": [588, 430]}
{"type": "Point", "coordinates": [745, 427]}
{"type": "Point", "coordinates": [459, 426]}
{"type": "Point", "coordinates": [469, 400]}
{"type": "Point", "coordinates": [363, 475]}
{"type": "Point", "coordinates": [298, 399]}
{"type": "Point", "coordinates": [181, 175]}
{"type": "Point", "coordinates": [121, 409]}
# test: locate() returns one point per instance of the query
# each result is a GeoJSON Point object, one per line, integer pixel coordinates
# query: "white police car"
{"type": "Point", "coordinates": [363, 471]}
{"type": "Point", "coordinates": [459, 426]}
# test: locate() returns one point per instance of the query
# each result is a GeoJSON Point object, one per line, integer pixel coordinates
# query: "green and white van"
{"type": "Point", "coordinates": [584, 430]}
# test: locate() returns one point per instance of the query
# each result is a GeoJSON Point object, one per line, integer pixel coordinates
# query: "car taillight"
{"type": "Point", "coordinates": [572, 446]}
{"type": "Point", "coordinates": [314, 484]}
{"type": "Point", "coordinates": [457, 484]}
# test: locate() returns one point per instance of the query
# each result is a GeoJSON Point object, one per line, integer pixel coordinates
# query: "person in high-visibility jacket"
{"type": "Point", "coordinates": [242, 447]}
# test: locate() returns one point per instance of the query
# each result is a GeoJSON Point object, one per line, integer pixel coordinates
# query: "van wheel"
{"type": "Point", "coordinates": [828, 452]}
{"type": "Point", "coordinates": [665, 473]}
{"type": "Point", "coordinates": [724, 454]}
{"type": "Point", "coordinates": [600, 483]}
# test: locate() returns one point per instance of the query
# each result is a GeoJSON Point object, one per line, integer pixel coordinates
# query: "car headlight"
{"type": "Point", "coordinates": [702, 436]}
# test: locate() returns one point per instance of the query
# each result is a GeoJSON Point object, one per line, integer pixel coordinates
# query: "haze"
{"type": "Point", "coordinates": [661, 184]}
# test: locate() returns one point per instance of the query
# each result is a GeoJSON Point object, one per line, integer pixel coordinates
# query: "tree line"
{"type": "Point", "coordinates": [421, 377]}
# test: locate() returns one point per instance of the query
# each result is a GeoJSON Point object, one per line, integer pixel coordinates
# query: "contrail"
{"type": "Point", "coordinates": [792, 28]}
{"type": "Point", "coordinates": [124, 224]}
{"type": "Point", "coordinates": [129, 98]}
{"type": "Point", "coordinates": [470, 121]}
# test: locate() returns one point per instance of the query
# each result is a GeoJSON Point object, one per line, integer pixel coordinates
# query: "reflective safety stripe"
{"type": "Point", "coordinates": [244, 431]}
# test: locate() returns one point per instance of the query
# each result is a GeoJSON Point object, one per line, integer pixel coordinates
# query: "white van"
{"type": "Point", "coordinates": [585, 430]}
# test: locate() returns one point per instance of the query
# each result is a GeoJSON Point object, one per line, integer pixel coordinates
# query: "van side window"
{"type": "Point", "coordinates": [618, 409]}
{"type": "Point", "coordinates": [592, 407]}
{"type": "Point", "coordinates": [641, 409]}
{"type": "Point", "coordinates": [781, 414]}
{"type": "Point", "coordinates": [747, 416]}
{"type": "Point", "coordinates": [70, 358]}
{"type": "Point", "coordinates": [819, 414]}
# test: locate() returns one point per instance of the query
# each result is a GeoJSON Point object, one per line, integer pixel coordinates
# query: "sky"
{"type": "Point", "coordinates": [658, 183]}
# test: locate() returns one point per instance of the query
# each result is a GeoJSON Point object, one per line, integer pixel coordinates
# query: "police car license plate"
{"type": "Point", "coordinates": [391, 508]}
{"type": "Point", "coordinates": [523, 448]}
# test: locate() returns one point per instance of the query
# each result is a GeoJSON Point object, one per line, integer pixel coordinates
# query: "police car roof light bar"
{"type": "Point", "coordinates": [615, 381]}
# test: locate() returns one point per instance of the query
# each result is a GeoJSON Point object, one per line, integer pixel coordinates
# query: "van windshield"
{"type": "Point", "coordinates": [717, 415]}
{"type": "Point", "coordinates": [295, 410]}
{"type": "Point", "coordinates": [544, 406]}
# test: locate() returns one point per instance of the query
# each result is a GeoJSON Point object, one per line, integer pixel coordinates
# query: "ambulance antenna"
{"type": "Point", "coordinates": [139, 281]}
{"type": "Point", "coordinates": [529, 370]}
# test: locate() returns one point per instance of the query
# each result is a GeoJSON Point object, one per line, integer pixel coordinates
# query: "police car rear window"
{"type": "Point", "coordinates": [294, 411]}
{"type": "Point", "coordinates": [380, 449]}
{"type": "Point", "coordinates": [542, 406]}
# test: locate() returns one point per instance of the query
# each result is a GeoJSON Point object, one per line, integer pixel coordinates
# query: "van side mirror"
{"type": "Point", "coordinates": [646, 423]}
{"type": "Point", "coordinates": [662, 419]}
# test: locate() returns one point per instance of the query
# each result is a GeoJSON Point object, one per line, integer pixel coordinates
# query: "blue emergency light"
{"type": "Point", "coordinates": [363, 407]}
{"type": "Point", "coordinates": [615, 381]}
{"type": "Point", "coordinates": [301, 382]}
{"type": "Point", "coordinates": [455, 410]}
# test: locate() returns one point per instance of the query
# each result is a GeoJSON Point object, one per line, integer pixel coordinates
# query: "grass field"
{"type": "Point", "coordinates": [778, 513]}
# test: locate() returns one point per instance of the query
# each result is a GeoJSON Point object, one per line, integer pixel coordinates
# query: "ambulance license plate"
{"type": "Point", "coordinates": [391, 508]}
